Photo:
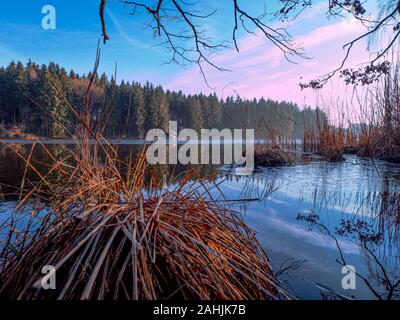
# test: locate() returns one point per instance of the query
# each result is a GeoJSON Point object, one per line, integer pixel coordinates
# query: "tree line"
{"type": "Point", "coordinates": [34, 97]}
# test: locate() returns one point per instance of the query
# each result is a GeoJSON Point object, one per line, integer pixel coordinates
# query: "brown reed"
{"type": "Point", "coordinates": [111, 237]}
{"type": "Point", "coordinates": [113, 230]}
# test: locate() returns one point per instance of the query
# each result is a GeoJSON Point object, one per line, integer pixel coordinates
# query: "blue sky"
{"type": "Point", "coordinates": [73, 43]}
{"type": "Point", "coordinates": [257, 71]}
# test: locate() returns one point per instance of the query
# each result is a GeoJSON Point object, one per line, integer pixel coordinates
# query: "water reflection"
{"type": "Point", "coordinates": [350, 196]}
{"type": "Point", "coordinates": [358, 209]}
{"type": "Point", "coordinates": [13, 168]}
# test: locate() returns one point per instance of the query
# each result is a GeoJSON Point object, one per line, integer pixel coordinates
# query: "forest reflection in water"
{"type": "Point", "coordinates": [311, 218]}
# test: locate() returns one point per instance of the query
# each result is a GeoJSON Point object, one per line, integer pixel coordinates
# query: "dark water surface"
{"type": "Point", "coordinates": [357, 191]}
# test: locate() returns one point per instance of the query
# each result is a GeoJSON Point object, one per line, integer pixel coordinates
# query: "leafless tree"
{"type": "Point", "coordinates": [179, 24]}
{"type": "Point", "coordinates": [386, 21]}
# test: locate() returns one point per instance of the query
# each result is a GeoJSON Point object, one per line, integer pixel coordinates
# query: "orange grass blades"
{"type": "Point", "coordinates": [109, 234]}
{"type": "Point", "coordinates": [110, 237]}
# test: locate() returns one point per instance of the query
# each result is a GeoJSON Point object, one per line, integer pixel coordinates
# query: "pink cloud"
{"type": "Point", "coordinates": [261, 69]}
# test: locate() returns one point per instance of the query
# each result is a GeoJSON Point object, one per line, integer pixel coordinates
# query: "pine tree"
{"type": "Point", "coordinates": [151, 109]}
{"type": "Point", "coordinates": [211, 111]}
{"type": "Point", "coordinates": [140, 111]}
{"type": "Point", "coordinates": [161, 106]}
{"type": "Point", "coordinates": [195, 113]}
{"type": "Point", "coordinates": [28, 97]}
{"type": "Point", "coordinates": [15, 93]}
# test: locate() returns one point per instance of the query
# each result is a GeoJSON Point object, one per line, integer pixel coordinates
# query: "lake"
{"type": "Point", "coordinates": [354, 200]}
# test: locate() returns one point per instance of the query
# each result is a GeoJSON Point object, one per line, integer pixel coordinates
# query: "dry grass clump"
{"type": "Point", "coordinates": [370, 142]}
{"type": "Point", "coordinates": [15, 132]}
{"type": "Point", "coordinates": [329, 142]}
{"type": "Point", "coordinates": [111, 236]}
{"type": "Point", "coordinates": [266, 155]}
{"type": "Point", "coordinates": [333, 154]}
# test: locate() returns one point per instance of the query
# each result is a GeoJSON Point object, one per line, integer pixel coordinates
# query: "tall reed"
{"type": "Point", "coordinates": [111, 235]}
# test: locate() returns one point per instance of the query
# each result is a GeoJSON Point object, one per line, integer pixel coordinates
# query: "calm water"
{"type": "Point", "coordinates": [353, 191]}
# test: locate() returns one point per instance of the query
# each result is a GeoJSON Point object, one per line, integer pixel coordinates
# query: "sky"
{"type": "Point", "coordinates": [258, 70]}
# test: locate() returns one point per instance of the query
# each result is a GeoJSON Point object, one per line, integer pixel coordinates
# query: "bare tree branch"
{"type": "Point", "coordinates": [179, 23]}
{"type": "Point", "coordinates": [188, 43]}
{"type": "Point", "coordinates": [103, 22]}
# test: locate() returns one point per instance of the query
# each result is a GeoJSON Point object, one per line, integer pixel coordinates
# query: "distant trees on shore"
{"type": "Point", "coordinates": [32, 97]}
